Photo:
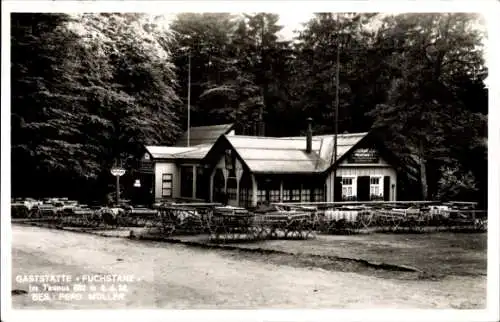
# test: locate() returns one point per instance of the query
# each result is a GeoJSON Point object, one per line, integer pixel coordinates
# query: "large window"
{"type": "Point", "coordinates": [187, 181]}
{"type": "Point", "coordinates": [347, 187]}
{"type": "Point", "coordinates": [376, 188]}
{"type": "Point", "coordinates": [166, 185]}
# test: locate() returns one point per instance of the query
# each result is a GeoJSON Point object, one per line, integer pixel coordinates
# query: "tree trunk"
{"type": "Point", "coordinates": [423, 172]}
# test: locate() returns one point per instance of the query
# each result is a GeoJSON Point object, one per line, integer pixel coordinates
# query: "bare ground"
{"type": "Point", "coordinates": [176, 276]}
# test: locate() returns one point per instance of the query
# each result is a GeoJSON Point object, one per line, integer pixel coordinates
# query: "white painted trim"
{"type": "Point", "coordinates": [211, 193]}
{"type": "Point", "coordinates": [193, 187]}
{"type": "Point", "coordinates": [380, 184]}
{"type": "Point", "coordinates": [354, 185]}
{"type": "Point", "coordinates": [254, 190]}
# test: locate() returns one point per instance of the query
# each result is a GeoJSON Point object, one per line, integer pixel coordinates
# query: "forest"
{"type": "Point", "coordinates": [90, 89]}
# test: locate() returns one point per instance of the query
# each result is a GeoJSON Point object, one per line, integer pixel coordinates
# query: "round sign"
{"type": "Point", "coordinates": [117, 172]}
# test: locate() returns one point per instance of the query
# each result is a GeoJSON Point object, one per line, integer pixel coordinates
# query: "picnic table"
{"type": "Point", "coordinates": [231, 223]}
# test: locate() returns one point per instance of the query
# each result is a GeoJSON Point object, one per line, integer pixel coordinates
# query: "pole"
{"type": "Point", "coordinates": [117, 190]}
{"type": "Point", "coordinates": [337, 84]}
{"type": "Point", "coordinates": [189, 99]}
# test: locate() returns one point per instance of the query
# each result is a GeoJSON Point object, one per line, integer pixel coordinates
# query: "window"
{"type": "Point", "coordinates": [286, 195]}
{"type": "Point", "coordinates": [347, 187]}
{"type": "Point", "coordinates": [375, 188]}
{"type": "Point", "coordinates": [244, 199]}
{"type": "Point", "coordinates": [274, 195]}
{"type": "Point", "coordinates": [187, 181]}
{"type": "Point", "coordinates": [268, 189]}
{"type": "Point", "coordinates": [231, 188]}
{"type": "Point", "coordinates": [245, 190]}
{"type": "Point", "coordinates": [318, 194]}
{"type": "Point", "coordinates": [166, 185]}
{"type": "Point", "coordinates": [305, 195]}
{"type": "Point", "coordinates": [346, 181]}
{"type": "Point", "coordinates": [261, 195]}
{"type": "Point", "coordinates": [291, 191]}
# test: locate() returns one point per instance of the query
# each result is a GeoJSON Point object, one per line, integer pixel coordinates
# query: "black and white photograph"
{"type": "Point", "coordinates": [251, 159]}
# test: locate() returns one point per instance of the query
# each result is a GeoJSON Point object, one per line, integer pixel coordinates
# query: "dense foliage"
{"type": "Point", "coordinates": [92, 88]}
{"type": "Point", "coordinates": [87, 90]}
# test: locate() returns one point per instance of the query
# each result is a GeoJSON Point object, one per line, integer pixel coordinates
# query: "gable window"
{"type": "Point", "coordinates": [166, 185]}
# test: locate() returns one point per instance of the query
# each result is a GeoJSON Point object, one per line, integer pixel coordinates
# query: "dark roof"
{"type": "Point", "coordinates": [288, 155]}
{"type": "Point", "coordinates": [203, 134]}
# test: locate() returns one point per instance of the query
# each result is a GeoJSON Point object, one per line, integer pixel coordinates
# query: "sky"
{"type": "Point", "coordinates": [292, 21]}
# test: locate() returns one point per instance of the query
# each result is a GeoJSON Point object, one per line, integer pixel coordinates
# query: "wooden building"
{"type": "Point", "coordinates": [246, 170]}
{"type": "Point", "coordinates": [178, 172]}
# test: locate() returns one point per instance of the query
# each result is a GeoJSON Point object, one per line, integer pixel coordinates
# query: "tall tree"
{"type": "Point", "coordinates": [315, 70]}
{"type": "Point", "coordinates": [86, 90]}
{"type": "Point", "coordinates": [231, 65]}
{"type": "Point", "coordinates": [430, 53]}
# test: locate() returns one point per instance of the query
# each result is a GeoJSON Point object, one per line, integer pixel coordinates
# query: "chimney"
{"type": "Point", "coordinates": [309, 135]}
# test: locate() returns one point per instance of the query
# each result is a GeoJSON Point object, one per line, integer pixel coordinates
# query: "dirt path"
{"type": "Point", "coordinates": [175, 276]}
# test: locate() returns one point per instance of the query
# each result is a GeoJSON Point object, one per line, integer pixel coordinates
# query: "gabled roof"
{"type": "Point", "coordinates": [283, 155]}
{"type": "Point", "coordinates": [197, 152]}
{"type": "Point", "coordinates": [203, 134]}
{"type": "Point", "coordinates": [165, 152]}
{"type": "Point", "coordinates": [172, 152]}
{"type": "Point", "coordinates": [288, 155]}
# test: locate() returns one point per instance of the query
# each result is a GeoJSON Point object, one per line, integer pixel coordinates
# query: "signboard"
{"type": "Point", "coordinates": [364, 156]}
{"type": "Point", "coordinates": [117, 172]}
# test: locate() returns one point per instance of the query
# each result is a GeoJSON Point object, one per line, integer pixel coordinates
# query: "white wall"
{"type": "Point", "coordinates": [167, 167]}
{"type": "Point", "coordinates": [362, 170]}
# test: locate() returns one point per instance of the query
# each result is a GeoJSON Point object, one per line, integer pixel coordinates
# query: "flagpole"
{"type": "Point", "coordinates": [189, 100]}
{"type": "Point", "coordinates": [337, 84]}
